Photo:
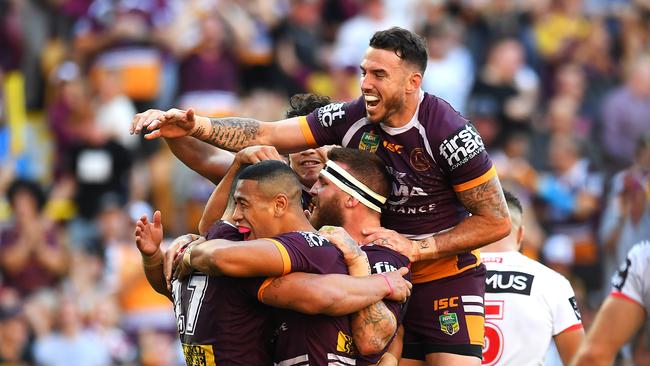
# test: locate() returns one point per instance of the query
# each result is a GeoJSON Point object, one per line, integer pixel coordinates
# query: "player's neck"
{"type": "Point", "coordinates": [296, 222]}
{"type": "Point", "coordinates": [500, 247]}
{"type": "Point", "coordinates": [406, 114]}
{"type": "Point", "coordinates": [358, 221]}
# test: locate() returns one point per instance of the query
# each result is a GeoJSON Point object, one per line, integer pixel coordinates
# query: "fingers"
{"type": "Point", "coordinates": [190, 114]}
{"type": "Point", "coordinates": [153, 135]}
{"type": "Point", "coordinates": [157, 219]}
{"type": "Point", "coordinates": [403, 271]}
{"type": "Point", "coordinates": [372, 230]}
{"type": "Point", "coordinates": [144, 119]}
{"type": "Point", "coordinates": [373, 238]}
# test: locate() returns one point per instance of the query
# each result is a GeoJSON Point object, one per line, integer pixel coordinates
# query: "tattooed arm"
{"type": "Point", "coordinates": [489, 222]}
{"type": "Point", "coordinates": [229, 133]}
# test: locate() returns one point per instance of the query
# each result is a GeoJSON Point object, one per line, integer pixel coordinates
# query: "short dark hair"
{"type": "Point", "coordinates": [407, 45]}
{"type": "Point", "coordinates": [365, 166]}
{"type": "Point", "coordinates": [276, 175]}
{"type": "Point", "coordinates": [33, 188]}
{"type": "Point", "coordinates": [512, 201]}
{"type": "Point", "coordinates": [303, 104]}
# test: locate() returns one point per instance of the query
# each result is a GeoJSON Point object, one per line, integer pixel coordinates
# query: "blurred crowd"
{"type": "Point", "coordinates": [559, 90]}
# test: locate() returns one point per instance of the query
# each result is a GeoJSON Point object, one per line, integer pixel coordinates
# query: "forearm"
{"type": "Point", "coordinates": [373, 327]}
{"type": "Point", "coordinates": [229, 133]}
{"type": "Point", "coordinates": [471, 233]}
{"type": "Point", "coordinates": [254, 258]}
{"type": "Point", "coordinates": [207, 160]}
{"type": "Point", "coordinates": [489, 221]}
{"type": "Point", "coordinates": [15, 258]}
{"type": "Point", "coordinates": [54, 260]}
{"type": "Point", "coordinates": [350, 294]}
{"type": "Point", "coordinates": [153, 270]}
{"type": "Point", "coordinates": [215, 208]}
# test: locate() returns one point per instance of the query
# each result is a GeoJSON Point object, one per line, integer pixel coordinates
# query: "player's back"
{"type": "Point", "coordinates": [219, 319]}
{"type": "Point", "coordinates": [384, 260]}
{"type": "Point", "coordinates": [526, 304]}
{"type": "Point", "coordinates": [315, 340]}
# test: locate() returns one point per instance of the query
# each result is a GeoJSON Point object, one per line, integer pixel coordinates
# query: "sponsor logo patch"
{"type": "Point", "coordinates": [461, 146]}
{"type": "Point", "coordinates": [576, 309]}
{"type": "Point", "coordinates": [314, 240]}
{"type": "Point", "coordinates": [449, 323]}
{"type": "Point", "coordinates": [344, 343]}
{"type": "Point", "coordinates": [369, 142]}
{"type": "Point", "coordinates": [383, 267]}
{"type": "Point", "coordinates": [198, 355]}
{"type": "Point", "coordinates": [393, 147]}
{"type": "Point", "coordinates": [330, 114]}
{"type": "Point", "coordinates": [509, 282]}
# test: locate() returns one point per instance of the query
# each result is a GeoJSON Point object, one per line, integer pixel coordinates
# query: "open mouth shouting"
{"type": "Point", "coordinates": [372, 101]}
{"type": "Point", "coordinates": [246, 231]}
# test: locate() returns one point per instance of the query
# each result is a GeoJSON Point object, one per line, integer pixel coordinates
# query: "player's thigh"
{"type": "Point", "coordinates": [450, 359]}
{"type": "Point", "coordinates": [446, 316]}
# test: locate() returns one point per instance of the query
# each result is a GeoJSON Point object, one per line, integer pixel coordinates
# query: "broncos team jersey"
{"type": "Point", "coordinates": [220, 321]}
{"type": "Point", "coordinates": [632, 282]}
{"type": "Point", "coordinates": [526, 304]}
{"type": "Point", "coordinates": [384, 260]}
{"type": "Point", "coordinates": [431, 158]}
{"type": "Point", "coordinates": [315, 340]}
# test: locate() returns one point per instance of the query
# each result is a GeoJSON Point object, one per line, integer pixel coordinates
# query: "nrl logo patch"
{"type": "Point", "coordinates": [369, 142]}
{"type": "Point", "coordinates": [449, 323]}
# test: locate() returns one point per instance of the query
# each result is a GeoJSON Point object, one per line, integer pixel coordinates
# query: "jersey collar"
{"type": "Point", "coordinates": [414, 120]}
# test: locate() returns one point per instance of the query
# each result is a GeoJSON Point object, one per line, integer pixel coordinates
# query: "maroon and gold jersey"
{"type": "Point", "coordinates": [302, 339]}
{"type": "Point", "coordinates": [431, 158]}
{"type": "Point", "coordinates": [220, 321]}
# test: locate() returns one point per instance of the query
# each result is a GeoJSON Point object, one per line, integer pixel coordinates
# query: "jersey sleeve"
{"type": "Point", "coordinates": [627, 283]}
{"type": "Point", "coordinates": [564, 308]}
{"type": "Point", "coordinates": [459, 150]}
{"type": "Point", "coordinates": [308, 252]}
{"type": "Point", "coordinates": [327, 125]}
{"type": "Point", "coordinates": [253, 287]}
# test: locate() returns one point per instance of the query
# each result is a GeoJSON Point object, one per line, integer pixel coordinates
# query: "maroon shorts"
{"type": "Point", "coordinates": [447, 316]}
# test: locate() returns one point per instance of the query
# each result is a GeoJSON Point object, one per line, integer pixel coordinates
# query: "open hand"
{"type": "Point", "coordinates": [170, 124]}
{"type": "Point", "coordinates": [148, 235]}
{"type": "Point", "coordinates": [391, 239]}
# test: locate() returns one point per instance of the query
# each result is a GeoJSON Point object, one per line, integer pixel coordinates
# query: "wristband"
{"type": "Point", "coordinates": [187, 256]}
{"type": "Point", "coordinates": [388, 283]}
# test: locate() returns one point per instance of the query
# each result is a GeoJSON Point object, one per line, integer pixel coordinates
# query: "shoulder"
{"type": "Point", "coordinates": [440, 119]}
{"type": "Point", "coordinates": [640, 252]}
{"type": "Point", "coordinates": [303, 238]}
{"type": "Point", "coordinates": [377, 253]}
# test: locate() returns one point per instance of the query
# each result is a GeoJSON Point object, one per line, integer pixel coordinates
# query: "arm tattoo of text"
{"type": "Point", "coordinates": [485, 199]}
{"type": "Point", "coordinates": [232, 133]}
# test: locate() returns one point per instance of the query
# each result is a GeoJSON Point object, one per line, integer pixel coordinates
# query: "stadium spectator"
{"type": "Point", "coordinates": [626, 219]}
{"type": "Point", "coordinates": [32, 254]}
{"type": "Point", "coordinates": [624, 115]}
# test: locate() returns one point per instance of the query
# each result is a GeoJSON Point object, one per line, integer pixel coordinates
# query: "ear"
{"type": "Point", "coordinates": [520, 235]}
{"type": "Point", "coordinates": [351, 202]}
{"type": "Point", "coordinates": [414, 82]}
{"type": "Point", "coordinates": [280, 204]}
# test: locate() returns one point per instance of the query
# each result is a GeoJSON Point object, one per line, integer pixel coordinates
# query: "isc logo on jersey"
{"type": "Point", "coordinates": [461, 146]}
{"type": "Point", "coordinates": [508, 281]}
{"type": "Point", "coordinates": [328, 114]}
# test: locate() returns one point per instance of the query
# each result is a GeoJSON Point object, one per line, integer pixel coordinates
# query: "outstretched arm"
{"type": "Point", "coordinates": [148, 236]}
{"type": "Point", "coordinates": [208, 161]}
{"type": "Point", "coordinates": [334, 294]}
{"type": "Point", "coordinates": [489, 222]}
{"type": "Point", "coordinates": [604, 340]}
{"type": "Point", "coordinates": [229, 133]}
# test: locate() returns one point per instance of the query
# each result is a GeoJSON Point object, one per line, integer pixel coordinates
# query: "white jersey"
{"type": "Point", "coordinates": [526, 304]}
{"type": "Point", "coordinates": [632, 282]}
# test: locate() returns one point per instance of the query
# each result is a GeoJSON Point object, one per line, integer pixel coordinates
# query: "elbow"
{"type": "Point", "coordinates": [370, 345]}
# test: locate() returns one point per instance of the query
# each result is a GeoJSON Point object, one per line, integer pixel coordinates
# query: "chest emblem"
{"type": "Point", "coordinates": [418, 160]}
{"type": "Point", "coordinates": [369, 142]}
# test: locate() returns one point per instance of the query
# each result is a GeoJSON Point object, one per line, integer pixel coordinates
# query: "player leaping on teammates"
{"type": "Point", "coordinates": [441, 174]}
